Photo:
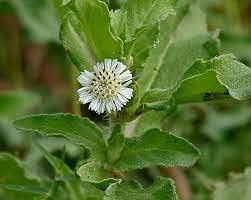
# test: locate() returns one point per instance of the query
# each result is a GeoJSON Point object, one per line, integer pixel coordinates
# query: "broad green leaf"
{"type": "Point", "coordinates": [15, 182]}
{"type": "Point", "coordinates": [16, 103]}
{"type": "Point", "coordinates": [118, 24]}
{"type": "Point", "coordinates": [238, 187]}
{"type": "Point", "coordinates": [79, 131]}
{"type": "Point", "coordinates": [89, 39]}
{"type": "Point", "coordinates": [137, 23]}
{"type": "Point", "coordinates": [62, 7]}
{"type": "Point", "coordinates": [52, 144]}
{"type": "Point", "coordinates": [199, 92]}
{"type": "Point", "coordinates": [94, 15]}
{"type": "Point", "coordinates": [75, 42]}
{"type": "Point", "coordinates": [92, 172]}
{"type": "Point", "coordinates": [142, 13]}
{"type": "Point", "coordinates": [161, 94]}
{"type": "Point", "coordinates": [89, 191]}
{"type": "Point", "coordinates": [226, 75]}
{"type": "Point", "coordinates": [179, 46]}
{"type": "Point", "coordinates": [142, 45]}
{"type": "Point", "coordinates": [75, 188]}
{"type": "Point", "coordinates": [53, 193]}
{"type": "Point", "coordinates": [158, 100]}
{"type": "Point", "coordinates": [39, 19]}
{"type": "Point", "coordinates": [218, 76]}
{"type": "Point", "coordinates": [156, 147]}
{"type": "Point", "coordinates": [97, 173]}
{"type": "Point", "coordinates": [161, 189]}
{"type": "Point", "coordinates": [180, 75]}
{"type": "Point", "coordinates": [147, 121]}
{"type": "Point", "coordinates": [115, 144]}
{"type": "Point", "coordinates": [61, 169]}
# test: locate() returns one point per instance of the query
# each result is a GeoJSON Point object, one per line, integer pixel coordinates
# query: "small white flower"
{"type": "Point", "coordinates": [106, 88]}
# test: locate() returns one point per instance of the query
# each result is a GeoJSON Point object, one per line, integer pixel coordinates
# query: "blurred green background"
{"type": "Point", "coordinates": [36, 77]}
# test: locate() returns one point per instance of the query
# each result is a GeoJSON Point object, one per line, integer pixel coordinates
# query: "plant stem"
{"type": "Point", "coordinates": [233, 10]}
{"type": "Point", "coordinates": [74, 95]}
{"type": "Point", "coordinates": [181, 182]}
{"type": "Point", "coordinates": [17, 71]}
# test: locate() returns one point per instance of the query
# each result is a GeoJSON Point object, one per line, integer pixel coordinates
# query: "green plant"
{"type": "Point", "coordinates": [173, 60]}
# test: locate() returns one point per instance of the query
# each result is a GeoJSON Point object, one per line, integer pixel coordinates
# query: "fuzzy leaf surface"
{"type": "Point", "coordinates": [156, 148]}
{"type": "Point", "coordinates": [115, 144]}
{"type": "Point", "coordinates": [87, 36]}
{"type": "Point", "coordinates": [142, 13]}
{"type": "Point", "coordinates": [75, 42]}
{"type": "Point", "coordinates": [187, 74]}
{"type": "Point", "coordinates": [92, 172]}
{"type": "Point", "coordinates": [218, 76]}
{"type": "Point", "coordinates": [14, 181]}
{"type": "Point", "coordinates": [161, 189]}
{"type": "Point", "coordinates": [179, 46]}
{"type": "Point", "coordinates": [75, 188]}
{"type": "Point", "coordinates": [79, 131]}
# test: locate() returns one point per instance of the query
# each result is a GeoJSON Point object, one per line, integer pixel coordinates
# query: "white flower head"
{"type": "Point", "coordinates": [106, 88]}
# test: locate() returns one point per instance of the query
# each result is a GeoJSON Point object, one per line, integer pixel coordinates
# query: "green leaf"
{"type": "Point", "coordinates": [239, 45]}
{"type": "Point", "coordinates": [200, 92]}
{"type": "Point", "coordinates": [217, 123]}
{"type": "Point", "coordinates": [39, 19]}
{"type": "Point", "coordinates": [92, 172]}
{"type": "Point", "coordinates": [15, 182]}
{"type": "Point", "coordinates": [115, 144]}
{"type": "Point", "coordinates": [106, 1]}
{"type": "Point", "coordinates": [140, 47]}
{"type": "Point", "coordinates": [179, 75]}
{"type": "Point", "coordinates": [183, 39]}
{"type": "Point", "coordinates": [89, 39]}
{"type": "Point", "coordinates": [161, 189]}
{"type": "Point", "coordinates": [97, 173]}
{"type": "Point", "coordinates": [79, 131]}
{"type": "Point", "coordinates": [16, 103]}
{"type": "Point", "coordinates": [237, 187]}
{"type": "Point", "coordinates": [76, 189]}
{"type": "Point", "coordinates": [65, 2]}
{"type": "Point", "coordinates": [118, 24]}
{"type": "Point", "coordinates": [61, 169]}
{"type": "Point", "coordinates": [62, 7]}
{"type": "Point", "coordinates": [225, 75]}
{"type": "Point", "coordinates": [75, 42]}
{"type": "Point", "coordinates": [141, 13]}
{"type": "Point", "coordinates": [158, 100]}
{"type": "Point", "coordinates": [156, 148]}
{"type": "Point", "coordinates": [97, 29]}
{"type": "Point", "coordinates": [137, 24]}
{"type": "Point", "coordinates": [147, 121]}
